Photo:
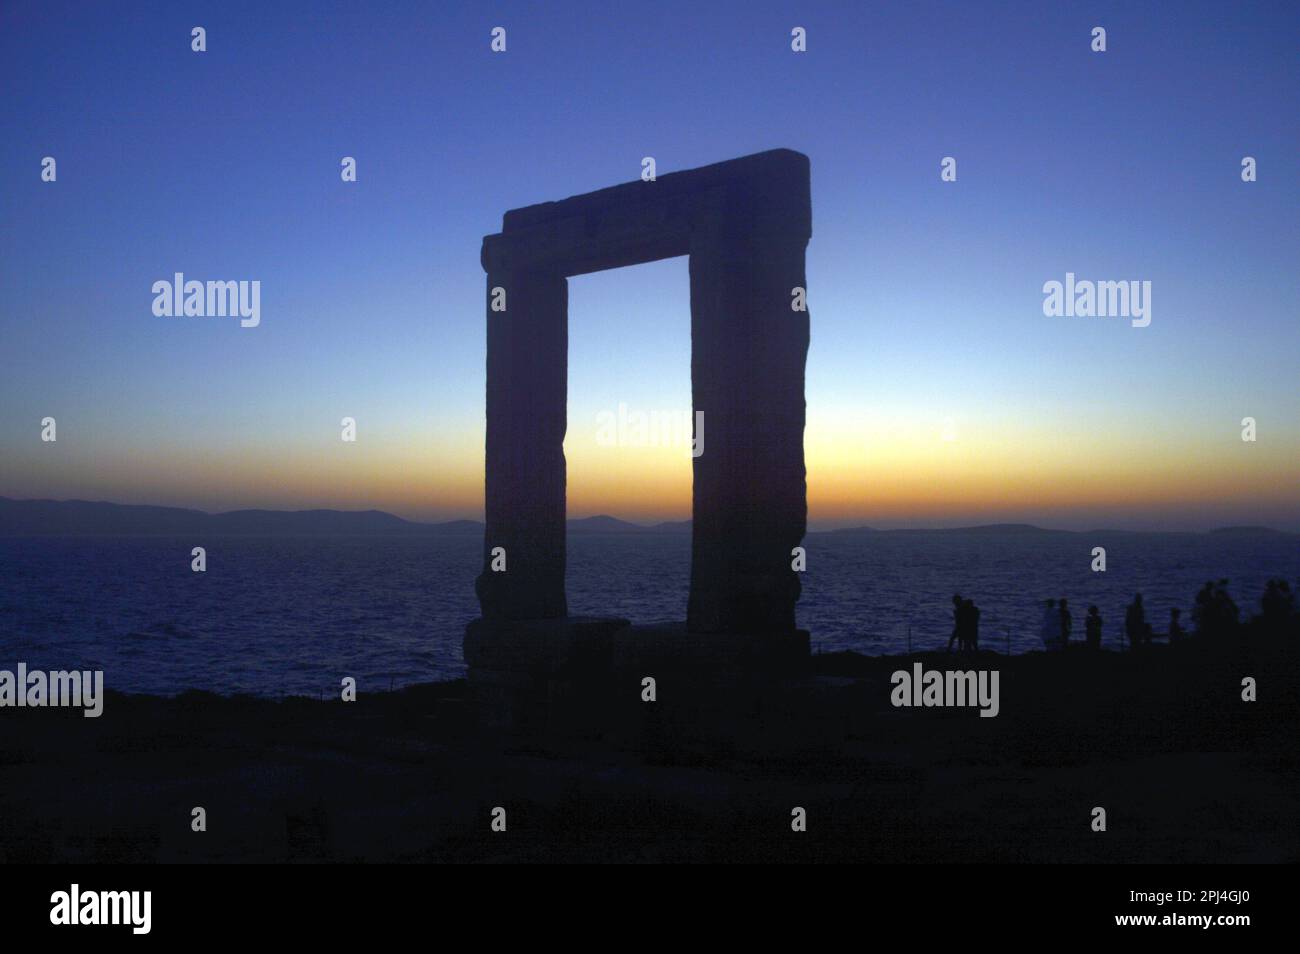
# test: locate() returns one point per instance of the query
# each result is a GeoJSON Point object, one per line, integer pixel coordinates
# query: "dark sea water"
{"type": "Point", "coordinates": [297, 614]}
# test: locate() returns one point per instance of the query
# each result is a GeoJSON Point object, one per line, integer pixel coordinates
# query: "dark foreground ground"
{"type": "Point", "coordinates": [1186, 771]}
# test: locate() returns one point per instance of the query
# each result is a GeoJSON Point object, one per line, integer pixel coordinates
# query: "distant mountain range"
{"type": "Point", "coordinates": [1028, 529]}
{"type": "Point", "coordinates": [99, 518]}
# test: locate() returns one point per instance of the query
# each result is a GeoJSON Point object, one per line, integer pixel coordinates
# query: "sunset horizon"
{"type": "Point", "coordinates": [1076, 520]}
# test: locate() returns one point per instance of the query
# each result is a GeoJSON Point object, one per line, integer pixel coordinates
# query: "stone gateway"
{"type": "Point", "coordinates": [745, 225]}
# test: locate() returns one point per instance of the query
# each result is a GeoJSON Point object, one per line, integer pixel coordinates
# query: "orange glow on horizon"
{"type": "Point", "coordinates": [899, 476]}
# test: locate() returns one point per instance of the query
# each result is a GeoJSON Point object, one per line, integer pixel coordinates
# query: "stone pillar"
{"type": "Point", "coordinates": [748, 350]}
{"type": "Point", "coordinates": [527, 389]}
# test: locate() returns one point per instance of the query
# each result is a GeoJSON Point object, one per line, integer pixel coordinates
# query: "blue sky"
{"type": "Point", "coordinates": [925, 297]}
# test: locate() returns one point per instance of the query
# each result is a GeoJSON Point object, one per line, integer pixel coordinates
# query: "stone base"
{"type": "Point", "coordinates": [582, 676]}
{"type": "Point", "coordinates": [672, 646]}
{"type": "Point", "coordinates": [530, 676]}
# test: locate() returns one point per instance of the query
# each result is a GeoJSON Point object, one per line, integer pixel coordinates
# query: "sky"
{"type": "Point", "coordinates": [938, 391]}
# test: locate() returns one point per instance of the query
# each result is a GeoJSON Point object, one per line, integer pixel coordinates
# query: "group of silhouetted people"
{"type": "Point", "coordinates": [1214, 614]}
{"type": "Point", "coordinates": [965, 625]}
{"type": "Point", "coordinates": [1057, 626]}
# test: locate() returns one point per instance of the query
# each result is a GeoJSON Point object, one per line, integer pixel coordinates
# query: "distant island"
{"type": "Point", "coordinates": [21, 518]}
{"type": "Point", "coordinates": [102, 518]}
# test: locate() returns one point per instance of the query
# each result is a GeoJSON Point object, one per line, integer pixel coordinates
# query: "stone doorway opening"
{"type": "Point", "coordinates": [629, 442]}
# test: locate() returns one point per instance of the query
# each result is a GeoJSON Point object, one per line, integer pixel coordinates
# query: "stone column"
{"type": "Point", "coordinates": [748, 350]}
{"type": "Point", "coordinates": [527, 388]}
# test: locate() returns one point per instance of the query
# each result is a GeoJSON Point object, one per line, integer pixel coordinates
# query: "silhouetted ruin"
{"type": "Point", "coordinates": [745, 224]}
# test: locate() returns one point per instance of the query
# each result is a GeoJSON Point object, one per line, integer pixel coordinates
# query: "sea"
{"type": "Point", "coordinates": [295, 615]}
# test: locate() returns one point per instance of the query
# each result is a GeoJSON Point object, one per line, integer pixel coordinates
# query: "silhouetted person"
{"type": "Point", "coordinates": [1288, 598]}
{"type": "Point", "coordinates": [1066, 624]}
{"type": "Point", "coordinates": [1225, 610]}
{"type": "Point", "coordinates": [1203, 611]}
{"type": "Point", "coordinates": [1135, 623]}
{"type": "Point", "coordinates": [972, 625]}
{"type": "Point", "coordinates": [1050, 629]}
{"type": "Point", "coordinates": [1092, 629]}
{"type": "Point", "coordinates": [1278, 605]}
{"type": "Point", "coordinates": [1270, 604]}
{"type": "Point", "coordinates": [1175, 630]}
{"type": "Point", "coordinates": [958, 632]}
